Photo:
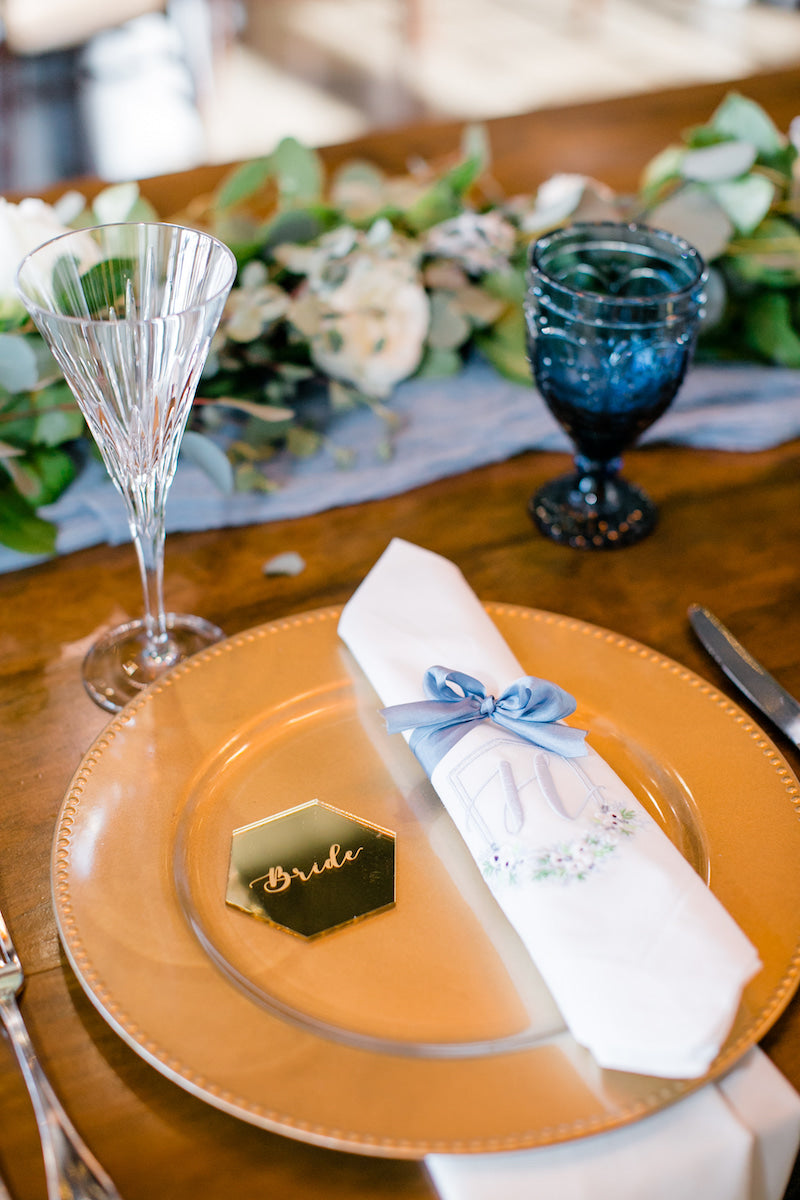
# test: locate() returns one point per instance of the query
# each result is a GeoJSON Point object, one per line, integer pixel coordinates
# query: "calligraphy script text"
{"type": "Point", "coordinates": [278, 879]}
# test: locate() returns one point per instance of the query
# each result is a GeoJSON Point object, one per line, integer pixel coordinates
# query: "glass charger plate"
{"type": "Point", "coordinates": [424, 1027]}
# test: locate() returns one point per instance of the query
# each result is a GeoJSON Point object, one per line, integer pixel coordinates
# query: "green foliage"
{"type": "Point", "coordinates": [727, 185]}
{"type": "Point", "coordinates": [97, 291]}
{"type": "Point", "coordinates": [20, 526]}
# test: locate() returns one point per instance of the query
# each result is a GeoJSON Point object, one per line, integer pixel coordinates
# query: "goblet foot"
{"type": "Point", "coordinates": [567, 511]}
{"type": "Point", "coordinates": [124, 662]}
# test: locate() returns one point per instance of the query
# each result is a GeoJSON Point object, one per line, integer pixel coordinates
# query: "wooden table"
{"type": "Point", "coordinates": [728, 537]}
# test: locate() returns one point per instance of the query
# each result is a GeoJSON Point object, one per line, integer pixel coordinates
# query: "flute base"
{"type": "Point", "coordinates": [606, 517]}
{"type": "Point", "coordinates": [122, 663]}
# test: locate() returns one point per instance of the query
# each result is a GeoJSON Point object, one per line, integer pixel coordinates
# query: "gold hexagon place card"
{"type": "Point", "coordinates": [311, 869]}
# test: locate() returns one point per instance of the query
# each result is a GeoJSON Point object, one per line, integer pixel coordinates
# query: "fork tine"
{"type": "Point", "coordinates": [71, 1170]}
{"type": "Point", "coordinates": [7, 947]}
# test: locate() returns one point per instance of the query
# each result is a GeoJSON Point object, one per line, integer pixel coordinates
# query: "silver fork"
{"type": "Point", "coordinates": [71, 1170]}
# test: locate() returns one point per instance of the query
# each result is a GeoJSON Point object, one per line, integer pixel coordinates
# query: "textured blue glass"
{"type": "Point", "coordinates": [612, 314]}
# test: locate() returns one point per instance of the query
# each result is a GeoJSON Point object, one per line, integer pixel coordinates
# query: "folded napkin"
{"type": "Point", "coordinates": [732, 1140]}
{"type": "Point", "coordinates": [644, 963]}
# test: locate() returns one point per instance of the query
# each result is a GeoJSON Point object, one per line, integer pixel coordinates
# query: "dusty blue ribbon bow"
{"type": "Point", "coordinates": [529, 707]}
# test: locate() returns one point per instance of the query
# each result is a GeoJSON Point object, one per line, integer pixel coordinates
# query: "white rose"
{"type": "Point", "coordinates": [370, 330]}
{"type": "Point", "coordinates": [23, 227]}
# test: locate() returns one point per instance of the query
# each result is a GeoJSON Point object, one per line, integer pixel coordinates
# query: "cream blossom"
{"type": "Point", "coordinates": [23, 227]}
{"type": "Point", "coordinates": [479, 242]}
{"type": "Point", "coordinates": [253, 306]}
{"type": "Point", "coordinates": [363, 308]}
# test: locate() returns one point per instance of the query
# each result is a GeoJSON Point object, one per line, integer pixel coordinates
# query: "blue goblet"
{"type": "Point", "coordinates": [612, 313]}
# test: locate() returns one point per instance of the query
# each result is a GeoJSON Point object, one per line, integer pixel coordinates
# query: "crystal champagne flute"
{"type": "Point", "coordinates": [128, 312]}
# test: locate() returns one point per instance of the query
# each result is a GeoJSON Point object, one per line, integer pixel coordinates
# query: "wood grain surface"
{"type": "Point", "coordinates": [728, 537]}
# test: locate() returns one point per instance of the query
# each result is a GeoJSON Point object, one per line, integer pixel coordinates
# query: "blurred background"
{"type": "Point", "coordinates": [125, 89]}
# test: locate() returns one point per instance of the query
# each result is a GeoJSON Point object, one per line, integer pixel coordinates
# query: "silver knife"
{"type": "Point", "coordinates": [748, 674]}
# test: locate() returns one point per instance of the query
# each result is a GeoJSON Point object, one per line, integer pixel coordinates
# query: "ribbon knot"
{"type": "Point", "coordinates": [531, 708]}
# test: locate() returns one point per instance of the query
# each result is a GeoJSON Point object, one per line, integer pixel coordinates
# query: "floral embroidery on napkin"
{"type": "Point", "coordinates": [565, 862]}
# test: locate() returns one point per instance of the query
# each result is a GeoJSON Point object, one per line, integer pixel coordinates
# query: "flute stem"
{"type": "Point", "coordinates": [148, 538]}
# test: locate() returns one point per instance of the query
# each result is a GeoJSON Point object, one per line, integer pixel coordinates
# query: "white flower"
{"type": "Point", "coordinates": [322, 262]}
{"type": "Point", "coordinates": [254, 305]}
{"type": "Point", "coordinates": [363, 309]}
{"type": "Point", "coordinates": [23, 227]}
{"type": "Point", "coordinates": [477, 241]}
{"type": "Point", "coordinates": [609, 819]}
{"type": "Point", "coordinates": [583, 858]}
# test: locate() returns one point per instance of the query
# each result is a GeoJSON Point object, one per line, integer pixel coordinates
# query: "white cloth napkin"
{"type": "Point", "coordinates": [645, 965]}
{"type": "Point", "coordinates": [733, 1140]}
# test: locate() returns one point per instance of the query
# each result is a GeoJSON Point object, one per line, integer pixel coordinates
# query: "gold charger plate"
{"type": "Point", "coordinates": [424, 1028]}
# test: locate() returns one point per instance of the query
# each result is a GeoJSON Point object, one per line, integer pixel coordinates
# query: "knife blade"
{"type": "Point", "coordinates": [747, 673]}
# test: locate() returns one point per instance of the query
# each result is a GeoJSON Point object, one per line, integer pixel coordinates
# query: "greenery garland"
{"type": "Point", "coordinates": [348, 285]}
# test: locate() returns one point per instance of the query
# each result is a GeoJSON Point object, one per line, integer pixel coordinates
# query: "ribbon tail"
{"type": "Point", "coordinates": [428, 714]}
{"type": "Point", "coordinates": [565, 740]}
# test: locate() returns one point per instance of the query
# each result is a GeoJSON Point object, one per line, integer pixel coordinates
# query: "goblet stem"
{"type": "Point", "coordinates": [596, 482]}
{"type": "Point", "coordinates": [593, 507]}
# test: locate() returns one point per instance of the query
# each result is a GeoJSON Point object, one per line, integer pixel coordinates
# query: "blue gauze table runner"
{"type": "Point", "coordinates": [447, 426]}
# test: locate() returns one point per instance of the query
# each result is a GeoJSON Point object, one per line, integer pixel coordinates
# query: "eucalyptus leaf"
{"type": "Point", "coordinates": [18, 419]}
{"type": "Point", "coordinates": [448, 327]}
{"type": "Point", "coordinates": [99, 289]}
{"type": "Point", "coordinates": [207, 455]}
{"type": "Point", "coordinates": [694, 214]}
{"type": "Point", "coordinates": [49, 472]}
{"type": "Point", "coordinates": [770, 257]}
{"type": "Point", "coordinates": [741, 118]}
{"type": "Point", "coordinates": [438, 203]}
{"type": "Point", "coordinates": [20, 526]}
{"type": "Point", "coordinates": [506, 285]}
{"type": "Point", "coordinates": [244, 182]}
{"type": "Point", "coordinates": [703, 135]}
{"type": "Point", "coordinates": [439, 364]}
{"type": "Point", "coordinates": [116, 203]}
{"type": "Point", "coordinates": [360, 171]}
{"type": "Point", "coordinates": [475, 145]}
{"type": "Point", "coordinates": [58, 417]}
{"type": "Point", "coordinates": [769, 330]}
{"type": "Point", "coordinates": [505, 346]}
{"type": "Point", "coordinates": [746, 201]}
{"type": "Point", "coordinates": [725, 160]}
{"type": "Point", "coordinates": [660, 170]}
{"type": "Point", "coordinates": [443, 199]}
{"type": "Point", "coordinates": [298, 170]}
{"type": "Point", "coordinates": [19, 369]}
{"type": "Point", "coordinates": [293, 225]}
{"type": "Point", "coordinates": [13, 314]}
{"type": "Point", "coordinates": [47, 369]}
